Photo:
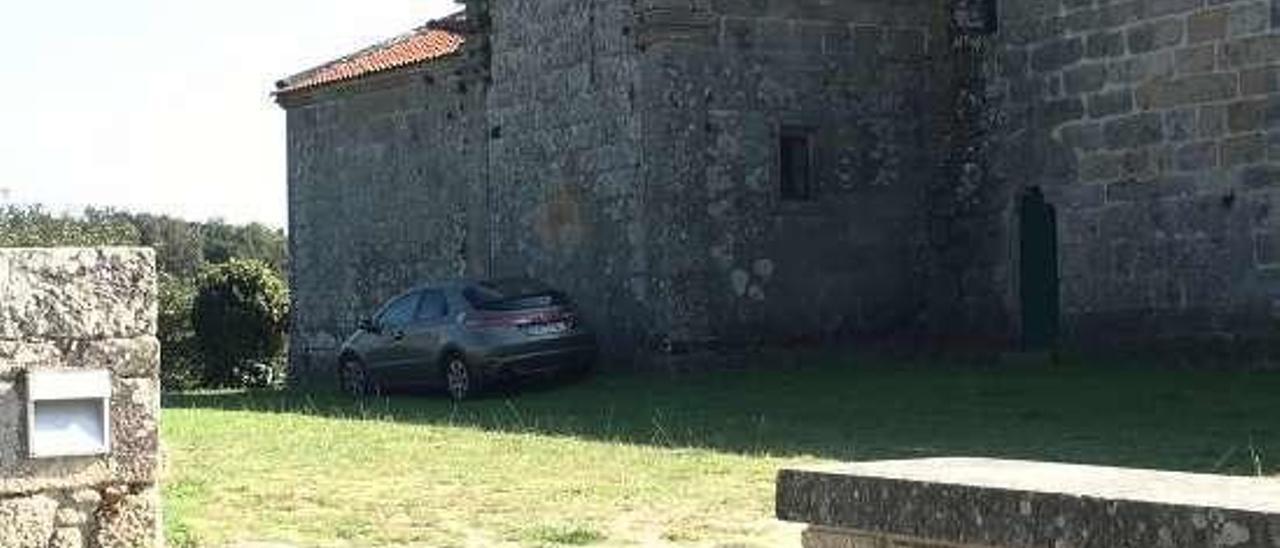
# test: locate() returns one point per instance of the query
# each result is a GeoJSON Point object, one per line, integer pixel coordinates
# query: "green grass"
{"type": "Point", "coordinates": [644, 460]}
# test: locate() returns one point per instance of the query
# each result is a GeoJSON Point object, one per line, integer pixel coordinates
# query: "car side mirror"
{"type": "Point", "coordinates": [367, 325]}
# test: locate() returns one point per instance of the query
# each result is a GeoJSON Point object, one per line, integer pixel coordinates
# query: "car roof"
{"type": "Point", "coordinates": [452, 283]}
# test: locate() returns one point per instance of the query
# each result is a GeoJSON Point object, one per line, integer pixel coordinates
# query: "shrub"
{"type": "Point", "coordinates": [239, 316]}
{"type": "Point", "coordinates": [179, 362]}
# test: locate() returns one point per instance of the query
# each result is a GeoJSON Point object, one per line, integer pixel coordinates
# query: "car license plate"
{"type": "Point", "coordinates": [553, 328]}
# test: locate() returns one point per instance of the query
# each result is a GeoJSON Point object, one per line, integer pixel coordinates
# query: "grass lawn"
{"type": "Point", "coordinates": [653, 460]}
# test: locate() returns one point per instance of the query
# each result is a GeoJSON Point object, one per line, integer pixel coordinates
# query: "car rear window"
{"type": "Point", "coordinates": [512, 295]}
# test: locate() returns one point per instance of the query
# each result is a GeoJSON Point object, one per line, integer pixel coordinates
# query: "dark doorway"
{"type": "Point", "coordinates": [1038, 272]}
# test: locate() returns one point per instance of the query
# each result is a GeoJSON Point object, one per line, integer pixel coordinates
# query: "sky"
{"type": "Point", "coordinates": [164, 106]}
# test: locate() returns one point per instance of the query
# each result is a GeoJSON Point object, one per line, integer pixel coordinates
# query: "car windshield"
{"type": "Point", "coordinates": [513, 294]}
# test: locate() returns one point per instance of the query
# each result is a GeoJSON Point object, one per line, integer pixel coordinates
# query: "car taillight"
{"type": "Point", "coordinates": [517, 319]}
{"type": "Point", "coordinates": [491, 322]}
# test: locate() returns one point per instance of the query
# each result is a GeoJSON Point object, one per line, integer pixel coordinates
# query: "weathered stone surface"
{"type": "Point", "coordinates": [137, 357]}
{"type": "Point", "coordinates": [1207, 25]}
{"type": "Point", "coordinates": [129, 518]}
{"type": "Point", "coordinates": [1154, 35]}
{"type": "Point", "coordinates": [1111, 103]}
{"type": "Point", "coordinates": [27, 522]}
{"type": "Point", "coordinates": [19, 356]}
{"type": "Point", "coordinates": [1134, 131]}
{"type": "Point", "coordinates": [1025, 504]}
{"type": "Point", "coordinates": [1197, 156]}
{"type": "Point", "coordinates": [1245, 149]}
{"type": "Point", "coordinates": [67, 537]}
{"type": "Point", "coordinates": [1261, 50]}
{"type": "Point", "coordinates": [12, 422]}
{"type": "Point", "coordinates": [1104, 44]}
{"type": "Point", "coordinates": [70, 517]}
{"type": "Point", "coordinates": [1188, 90]}
{"type": "Point", "coordinates": [1260, 81]}
{"type": "Point", "coordinates": [1085, 78]}
{"type": "Point", "coordinates": [77, 293]}
{"type": "Point", "coordinates": [1197, 59]}
{"type": "Point", "coordinates": [1056, 54]}
{"type": "Point", "coordinates": [86, 499]}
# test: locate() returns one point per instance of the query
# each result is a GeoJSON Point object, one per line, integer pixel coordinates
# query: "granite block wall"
{"type": "Point", "coordinates": [721, 82]}
{"type": "Point", "coordinates": [387, 189]}
{"type": "Point", "coordinates": [76, 309]}
{"type": "Point", "coordinates": [564, 157]}
{"type": "Point", "coordinates": [1152, 126]}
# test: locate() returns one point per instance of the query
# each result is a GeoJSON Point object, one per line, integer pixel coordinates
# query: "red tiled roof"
{"type": "Point", "coordinates": [426, 43]}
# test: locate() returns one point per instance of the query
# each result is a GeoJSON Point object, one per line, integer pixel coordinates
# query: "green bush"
{"type": "Point", "coordinates": [179, 362]}
{"type": "Point", "coordinates": [240, 317]}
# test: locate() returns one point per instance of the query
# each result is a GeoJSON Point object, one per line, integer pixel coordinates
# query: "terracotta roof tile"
{"type": "Point", "coordinates": [426, 43]}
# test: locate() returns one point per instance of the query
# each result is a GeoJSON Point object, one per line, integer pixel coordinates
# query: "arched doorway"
{"type": "Point", "coordinates": [1038, 271]}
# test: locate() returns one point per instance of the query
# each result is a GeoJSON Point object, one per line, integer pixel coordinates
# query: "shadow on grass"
{"type": "Point", "coordinates": [850, 408]}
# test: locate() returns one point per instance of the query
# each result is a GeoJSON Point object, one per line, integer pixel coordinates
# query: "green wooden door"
{"type": "Point", "coordinates": [1038, 272]}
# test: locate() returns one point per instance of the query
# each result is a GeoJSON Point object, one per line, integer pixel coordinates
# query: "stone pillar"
{"type": "Point", "coordinates": [74, 310]}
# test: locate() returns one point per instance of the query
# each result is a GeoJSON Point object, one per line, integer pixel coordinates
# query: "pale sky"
{"type": "Point", "coordinates": [164, 106]}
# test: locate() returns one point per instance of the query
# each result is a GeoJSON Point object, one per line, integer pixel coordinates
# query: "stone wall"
{"type": "Point", "coordinates": [565, 157]}
{"type": "Point", "coordinates": [730, 259]}
{"type": "Point", "coordinates": [1152, 127]}
{"type": "Point", "coordinates": [78, 309]}
{"type": "Point", "coordinates": [387, 189]}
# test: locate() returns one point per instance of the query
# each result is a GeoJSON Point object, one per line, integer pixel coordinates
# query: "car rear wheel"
{"type": "Point", "coordinates": [459, 378]}
{"type": "Point", "coordinates": [353, 378]}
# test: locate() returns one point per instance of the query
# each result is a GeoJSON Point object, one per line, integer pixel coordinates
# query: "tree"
{"type": "Point", "coordinates": [240, 318]}
{"type": "Point", "coordinates": [35, 227]}
{"type": "Point", "coordinates": [223, 242]}
{"type": "Point", "coordinates": [179, 249]}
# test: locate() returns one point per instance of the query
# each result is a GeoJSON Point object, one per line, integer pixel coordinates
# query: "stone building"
{"type": "Point", "coordinates": [723, 172]}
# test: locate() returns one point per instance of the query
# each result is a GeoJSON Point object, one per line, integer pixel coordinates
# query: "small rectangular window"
{"type": "Point", "coordinates": [980, 17]}
{"type": "Point", "coordinates": [796, 162]}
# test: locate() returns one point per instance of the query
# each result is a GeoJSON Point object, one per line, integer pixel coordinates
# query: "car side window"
{"type": "Point", "coordinates": [400, 312]}
{"type": "Point", "coordinates": [433, 306]}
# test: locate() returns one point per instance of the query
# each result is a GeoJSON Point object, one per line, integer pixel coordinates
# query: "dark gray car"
{"type": "Point", "coordinates": [462, 335]}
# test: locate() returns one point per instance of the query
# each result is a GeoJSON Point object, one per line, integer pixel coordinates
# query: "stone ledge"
{"type": "Point", "coordinates": [1027, 504]}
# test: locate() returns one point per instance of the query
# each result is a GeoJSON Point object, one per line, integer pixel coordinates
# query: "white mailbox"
{"type": "Point", "coordinates": [68, 413]}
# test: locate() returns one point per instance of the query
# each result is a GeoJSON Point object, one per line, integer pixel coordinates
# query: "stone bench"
{"type": "Point", "coordinates": [984, 503]}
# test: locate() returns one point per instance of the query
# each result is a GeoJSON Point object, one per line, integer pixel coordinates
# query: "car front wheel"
{"type": "Point", "coordinates": [354, 378]}
{"type": "Point", "coordinates": [459, 378]}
